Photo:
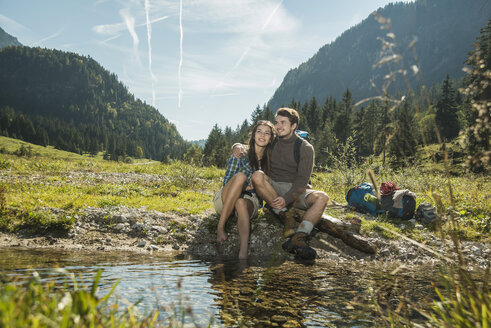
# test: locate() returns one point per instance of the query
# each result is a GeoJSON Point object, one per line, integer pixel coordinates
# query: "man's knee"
{"type": "Point", "coordinates": [318, 197]}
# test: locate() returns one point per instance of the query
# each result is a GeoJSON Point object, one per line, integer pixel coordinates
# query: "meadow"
{"type": "Point", "coordinates": [34, 177]}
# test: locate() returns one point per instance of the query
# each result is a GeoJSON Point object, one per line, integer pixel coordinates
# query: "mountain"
{"type": "Point", "coordinates": [51, 97]}
{"type": "Point", "coordinates": [7, 39]}
{"type": "Point", "coordinates": [442, 31]}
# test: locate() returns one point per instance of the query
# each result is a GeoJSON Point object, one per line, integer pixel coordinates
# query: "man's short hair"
{"type": "Point", "coordinates": [290, 113]}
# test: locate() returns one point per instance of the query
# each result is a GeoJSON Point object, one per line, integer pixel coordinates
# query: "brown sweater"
{"type": "Point", "coordinates": [285, 169]}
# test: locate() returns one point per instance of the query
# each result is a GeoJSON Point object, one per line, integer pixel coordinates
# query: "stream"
{"type": "Point", "coordinates": [268, 292]}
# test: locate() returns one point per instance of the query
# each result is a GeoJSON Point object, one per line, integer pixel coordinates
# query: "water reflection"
{"type": "Point", "coordinates": [235, 293]}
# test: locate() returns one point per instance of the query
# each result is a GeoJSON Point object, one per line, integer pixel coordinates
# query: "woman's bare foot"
{"type": "Point", "coordinates": [243, 254]}
{"type": "Point", "coordinates": [221, 235]}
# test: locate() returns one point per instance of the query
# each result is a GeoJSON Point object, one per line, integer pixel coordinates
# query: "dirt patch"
{"type": "Point", "coordinates": [138, 230]}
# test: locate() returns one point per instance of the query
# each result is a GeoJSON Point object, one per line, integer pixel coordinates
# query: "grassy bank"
{"type": "Point", "coordinates": [35, 177]}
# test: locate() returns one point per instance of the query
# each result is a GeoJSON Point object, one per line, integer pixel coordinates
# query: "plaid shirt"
{"type": "Point", "coordinates": [236, 165]}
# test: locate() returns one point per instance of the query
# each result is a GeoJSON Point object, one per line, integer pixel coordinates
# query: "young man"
{"type": "Point", "coordinates": [288, 184]}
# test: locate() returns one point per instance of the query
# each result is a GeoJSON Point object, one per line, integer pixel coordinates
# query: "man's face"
{"type": "Point", "coordinates": [283, 126]}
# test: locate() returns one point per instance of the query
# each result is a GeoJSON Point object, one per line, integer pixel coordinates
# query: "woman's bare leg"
{"type": "Point", "coordinates": [244, 208]}
{"type": "Point", "coordinates": [230, 193]}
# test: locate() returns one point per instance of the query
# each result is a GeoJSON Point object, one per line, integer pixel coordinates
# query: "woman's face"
{"type": "Point", "coordinates": [263, 135]}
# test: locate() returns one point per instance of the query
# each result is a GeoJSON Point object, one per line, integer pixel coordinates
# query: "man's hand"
{"type": "Point", "coordinates": [239, 150]}
{"type": "Point", "coordinates": [278, 203]}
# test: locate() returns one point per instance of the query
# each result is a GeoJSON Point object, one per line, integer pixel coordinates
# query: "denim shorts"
{"type": "Point", "coordinates": [218, 203]}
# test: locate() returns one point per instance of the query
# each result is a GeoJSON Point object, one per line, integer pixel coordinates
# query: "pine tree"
{"type": "Point", "coordinates": [478, 88]}
{"type": "Point", "coordinates": [342, 125]}
{"type": "Point", "coordinates": [403, 144]}
{"type": "Point", "coordinates": [313, 117]}
{"type": "Point", "coordinates": [256, 115]}
{"type": "Point", "coordinates": [215, 152]}
{"type": "Point", "coordinates": [446, 113]}
{"type": "Point", "coordinates": [369, 129]}
{"type": "Point", "coordinates": [386, 127]}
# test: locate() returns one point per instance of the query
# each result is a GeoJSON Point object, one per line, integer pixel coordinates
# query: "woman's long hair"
{"type": "Point", "coordinates": [251, 153]}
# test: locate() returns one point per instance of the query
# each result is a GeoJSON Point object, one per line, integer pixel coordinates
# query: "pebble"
{"type": "Point", "coordinates": [142, 243]}
{"type": "Point", "coordinates": [476, 250]}
{"type": "Point", "coordinates": [279, 318]}
{"type": "Point", "coordinates": [119, 227]}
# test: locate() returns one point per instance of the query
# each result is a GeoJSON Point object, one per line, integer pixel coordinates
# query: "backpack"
{"type": "Point", "coordinates": [405, 213]}
{"type": "Point", "coordinates": [363, 199]}
{"type": "Point", "coordinates": [426, 213]}
{"type": "Point", "coordinates": [298, 143]}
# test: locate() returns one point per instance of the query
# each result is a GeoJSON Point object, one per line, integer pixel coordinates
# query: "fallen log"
{"type": "Point", "coordinates": [346, 231]}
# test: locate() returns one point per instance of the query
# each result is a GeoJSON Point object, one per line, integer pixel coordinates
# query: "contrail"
{"type": "Point", "coordinates": [246, 51]}
{"type": "Point", "coordinates": [130, 25]}
{"type": "Point", "coordinates": [52, 36]}
{"type": "Point", "coordinates": [266, 22]}
{"type": "Point", "coordinates": [149, 41]}
{"type": "Point", "coordinates": [180, 60]}
{"type": "Point", "coordinates": [271, 15]}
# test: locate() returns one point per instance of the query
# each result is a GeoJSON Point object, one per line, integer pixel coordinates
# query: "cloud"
{"type": "Point", "coordinates": [12, 25]}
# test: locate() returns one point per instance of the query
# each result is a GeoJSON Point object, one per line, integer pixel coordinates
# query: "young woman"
{"type": "Point", "coordinates": [237, 191]}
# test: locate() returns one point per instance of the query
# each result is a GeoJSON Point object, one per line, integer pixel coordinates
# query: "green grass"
{"type": "Point", "coordinates": [43, 177]}
{"type": "Point", "coordinates": [42, 304]}
{"type": "Point", "coordinates": [53, 178]}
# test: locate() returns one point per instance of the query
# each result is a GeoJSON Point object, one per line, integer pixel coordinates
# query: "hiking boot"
{"type": "Point", "coordinates": [297, 245]}
{"type": "Point", "coordinates": [288, 221]}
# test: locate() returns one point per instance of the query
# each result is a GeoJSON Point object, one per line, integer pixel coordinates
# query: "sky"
{"type": "Point", "coordinates": [198, 62]}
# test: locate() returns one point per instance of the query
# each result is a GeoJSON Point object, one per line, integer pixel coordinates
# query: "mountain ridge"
{"type": "Point", "coordinates": [7, 39]}
{"type": "Point", "coordinates": [441, 46]}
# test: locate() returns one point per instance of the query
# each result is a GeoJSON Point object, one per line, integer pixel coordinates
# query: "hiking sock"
{"type": "Point", "coordinates": [277, 211]}
{"type": "Point", "coordinates": [305, 227]}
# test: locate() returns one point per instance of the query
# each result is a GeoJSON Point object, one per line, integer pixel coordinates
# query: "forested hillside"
{"type": "Point", "coordinates": [439, 32]}
{"type": "Point", "coordinates": [57, 98]}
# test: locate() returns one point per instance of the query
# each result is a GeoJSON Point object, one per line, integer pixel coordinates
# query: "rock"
{"type": "Point", "coordinates": [152, 248]}
{"type": "Point", "coordinates": [279, 318]}
{"type": "Point", "coordinates": [137, 227]}
{"type": "Point", "coordinates": [334, 257]}
{"type": "Point", "coordinates": [159, 229]}
{"type": "Point", "coordinates": [142, 243]}
{"type": "Point", "coordinates": [419, 227]}
{"type": "Point", "coordinates": [119, 227]}
{"type": "Point", "coordinates": [476, 250]}
{"type": "Point", "coordinates": [121, 218]}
